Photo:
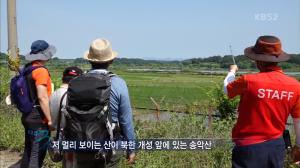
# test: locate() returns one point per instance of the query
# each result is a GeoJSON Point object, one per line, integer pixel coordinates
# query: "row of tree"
{"type": "Point", "coordinates": [242, 61]}
{"type": "Point", "coordinates": [209, 62]}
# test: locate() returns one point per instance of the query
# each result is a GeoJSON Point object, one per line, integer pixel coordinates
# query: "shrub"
{"type": "Point", "coordinates": [12, 132]}
{"type": "Point", "coordinates": [226, 107]}
{"type": "Point", "coordinates": [4, 83]}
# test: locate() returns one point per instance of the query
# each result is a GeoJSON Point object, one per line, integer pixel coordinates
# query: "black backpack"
{"type": "Point", "coordinates": [88, 117]}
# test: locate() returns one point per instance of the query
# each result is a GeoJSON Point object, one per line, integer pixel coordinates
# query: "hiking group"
{"type": "Point", "coordinates": [96, 106]}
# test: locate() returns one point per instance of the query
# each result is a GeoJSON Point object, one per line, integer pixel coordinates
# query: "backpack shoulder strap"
{"type": "Point", "coordinates": [30, 83]}
{"type": "Point", "coordinates": [37, 67]}
{"type": "Point", "coordinates": [29, 68]}
{"type": "Point", "coordinates": [111, 74]}
{"type": "Point", "coordinates": [59, 115]}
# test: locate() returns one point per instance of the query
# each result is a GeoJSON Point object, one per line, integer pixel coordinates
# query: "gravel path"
{"type": "Point", "coordinates": [9, 159]}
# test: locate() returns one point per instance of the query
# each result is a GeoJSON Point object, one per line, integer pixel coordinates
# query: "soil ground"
{"type": "Point", "coordinates": [9, 159]}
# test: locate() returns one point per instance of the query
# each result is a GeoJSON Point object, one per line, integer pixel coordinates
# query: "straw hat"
{"type": "Point", "coordinates": [267, 49]}
{"type": "Point", "coordinates": [100, 51]}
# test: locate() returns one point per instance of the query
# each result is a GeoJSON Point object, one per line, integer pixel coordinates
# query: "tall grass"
{"type": "Point", "coordinates": [4, 83]}
{"type": "Point", "coordinates": [178, 89]}
{"type": "Point", "coordinates": [186, 90]}
{"type": "Point", "coordinates": [11, 130]}
{"type": "Point", "coordinates": [190, 126]}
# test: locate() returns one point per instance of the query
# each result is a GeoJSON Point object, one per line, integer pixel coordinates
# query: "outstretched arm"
{"type": "Point", "coordinates": [230, 78]}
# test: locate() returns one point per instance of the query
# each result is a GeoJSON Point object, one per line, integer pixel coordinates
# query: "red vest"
{"type": "Point", "coordinates": [264, 107]}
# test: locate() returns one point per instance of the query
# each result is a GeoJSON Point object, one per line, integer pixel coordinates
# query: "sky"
{"type": "Point", "coordinates": [156, 29]}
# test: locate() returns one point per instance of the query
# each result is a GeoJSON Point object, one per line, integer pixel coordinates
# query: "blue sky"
{"type": "Point", "coordinates": [168, 29]}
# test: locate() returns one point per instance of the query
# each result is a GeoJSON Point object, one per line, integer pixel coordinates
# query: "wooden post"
{"type": "Point", "coordinates": [13, 50]}
{"type": "Point", "coordinates": [210, 119]}
{"type": "Point", "coordinates": [157, 108]}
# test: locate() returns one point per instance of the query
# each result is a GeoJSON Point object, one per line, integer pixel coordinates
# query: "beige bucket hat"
{"type": "Point", "coordinates": [100, 51]}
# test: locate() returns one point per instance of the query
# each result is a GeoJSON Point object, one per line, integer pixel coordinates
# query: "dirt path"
{"type": "Point", "coordinates": [9, 159]}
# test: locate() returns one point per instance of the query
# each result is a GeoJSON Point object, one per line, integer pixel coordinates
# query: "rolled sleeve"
{"type": "Point", "coordinates": [229, 78]}
{"type": "Point", "coordinates": [236, 87]}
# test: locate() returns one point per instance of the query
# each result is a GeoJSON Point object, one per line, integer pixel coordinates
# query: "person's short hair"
{"type": "Point", "coordinates": [268, 64]}
{"type": "Point", "coordinates": [70, 73]}
{"type": "Point", "coordinates": [96, 65]}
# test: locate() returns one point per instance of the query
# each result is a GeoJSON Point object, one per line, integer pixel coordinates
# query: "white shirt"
{"type": "Point", "coordinates": [229, 78]}
{"type": "Point", "coordinates": [54, 105]}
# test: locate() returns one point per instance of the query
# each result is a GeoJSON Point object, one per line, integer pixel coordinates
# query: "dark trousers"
{"type": "Point", "coordinates": [87, 160]}
{"type": "Point", "coordinates": [269, 154]}
{"type": "Point", "coordinates": [36, 144]}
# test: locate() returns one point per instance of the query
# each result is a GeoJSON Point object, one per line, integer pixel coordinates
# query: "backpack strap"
{"type": "Point", "coordinates": [59, 116]}
{"type": "Point", "coordinates": [110, 126]}
{"type": "Point", "coordinates": [27, 71]}
{"type": "Point", "coordinates": [111, 74]}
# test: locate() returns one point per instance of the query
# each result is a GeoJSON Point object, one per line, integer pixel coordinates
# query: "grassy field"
{"type": "Point", "coordinates": [168, 89]}
{"type": "Point", "coordinates": [173, 91]}
{"type": "Point", "coordinates": [191, 126]}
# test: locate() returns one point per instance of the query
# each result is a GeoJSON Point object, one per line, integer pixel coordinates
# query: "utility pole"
{"type": "Point", "coordinates": [13, 50]}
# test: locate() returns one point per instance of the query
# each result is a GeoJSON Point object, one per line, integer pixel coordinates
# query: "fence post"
{"type": "Point", "coordinates": [210, 120]}
{"type": "Point", "coordinates": [157, 108]}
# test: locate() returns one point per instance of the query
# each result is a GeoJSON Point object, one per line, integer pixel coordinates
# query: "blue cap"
{"type": "Point", "coordinates": [38, 46]}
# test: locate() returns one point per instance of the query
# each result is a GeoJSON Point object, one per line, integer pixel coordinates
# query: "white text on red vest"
{"type": "Point", "coordinates": [275, 94]}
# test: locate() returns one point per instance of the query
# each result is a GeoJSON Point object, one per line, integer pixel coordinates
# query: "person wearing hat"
{"type": "Point", "coordinates": [68, 74]}
{"type": "Point", "coordinates": [37, 122]}
{"type": "Point", "coordinates": [267, 99]}
{"type": "Point", "coordinates": [101, 56]}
